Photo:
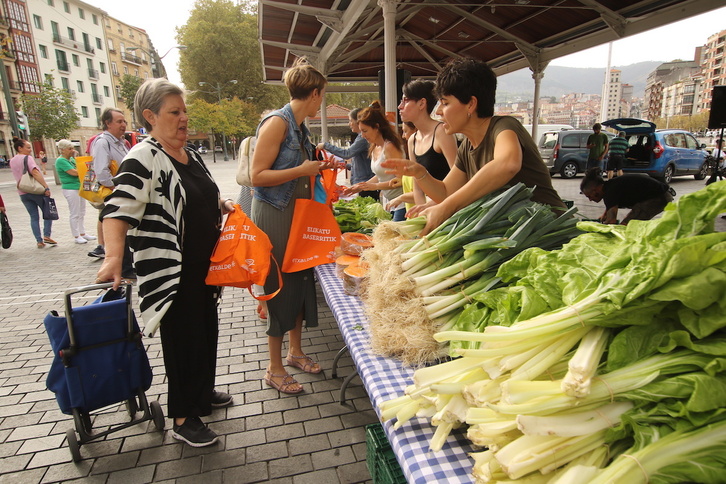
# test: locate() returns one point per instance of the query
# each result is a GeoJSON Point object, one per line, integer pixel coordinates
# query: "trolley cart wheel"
{"type": "Point", "coordinates": [158, 415]}
{"type": "Point", "coordinates": [132, 407]}
{"type": "Point", "coordinates": [73, 445]}
{"type": "Point", "coordinates": [82, 421]}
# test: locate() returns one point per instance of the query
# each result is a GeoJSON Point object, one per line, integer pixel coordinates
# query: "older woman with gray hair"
{"type": "Point", "coordinates": [168, 206]}
{"type": "Point", "coordinates": [65, 166]}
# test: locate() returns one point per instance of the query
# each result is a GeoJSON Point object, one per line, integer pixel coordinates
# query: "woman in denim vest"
{"type": "Point", "coordinates": [282, 165]}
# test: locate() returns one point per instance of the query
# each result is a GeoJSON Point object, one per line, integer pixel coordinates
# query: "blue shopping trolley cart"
{"type": "Point", "coordinates": [99, 360]}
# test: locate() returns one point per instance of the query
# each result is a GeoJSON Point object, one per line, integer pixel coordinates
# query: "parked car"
{"type": "Point", "coordinates": [218, 149]}
{"type": "Point", "coordinates": [202, 150]}
{"type": "Point", "coordinates": [565, 151]}
{"type": "Point", "coordinates": [661, 153]}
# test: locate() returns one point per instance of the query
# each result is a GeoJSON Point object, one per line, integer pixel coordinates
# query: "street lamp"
{"type": "Point", "coordinates": [180, 47]}
{"type": "Point", "coordinates": [218, 89]}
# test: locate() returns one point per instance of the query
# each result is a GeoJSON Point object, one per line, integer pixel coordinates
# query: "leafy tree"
{"type": "Point", "coordinates": [129, 85]}
{"type": "Point", "coordinates": [351, 100]}
{"type": "Point", "coordinates": [202, 115]}
{"type": "Point", "coordinates": [50, 113]}
{"type": "Point", "coordinates": [238, 118]}
{"type": "Point", "coordinates": [234, 118]}
{"type": "Point", "coordinates": [221, 40]}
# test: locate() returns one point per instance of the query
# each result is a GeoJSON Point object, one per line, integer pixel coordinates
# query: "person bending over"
{"type": "Point", "coordinates": [645, 196]}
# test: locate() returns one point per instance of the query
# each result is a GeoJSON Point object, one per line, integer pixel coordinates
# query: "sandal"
{"type": "Point", "coordinates": [287, 380]}
{"type": "Point", "coordinates": [305, 363]}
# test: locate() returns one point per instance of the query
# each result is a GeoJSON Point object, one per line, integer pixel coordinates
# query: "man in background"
{"type": "Point", "coordinates": [597, 143]}
{"type": "Point", "coordinates": [108, 150]}
{"type": "Point", "coordinates": [616, 155]}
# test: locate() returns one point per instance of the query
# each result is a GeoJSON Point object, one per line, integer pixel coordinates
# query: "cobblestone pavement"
{"type": "Point", "coordinates": [265, 437]}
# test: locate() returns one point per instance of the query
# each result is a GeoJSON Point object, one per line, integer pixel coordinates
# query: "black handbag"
{"type": "Point", "coordinates": [50, 210]}
{"type": "Point", "coordinates": [6, 231]}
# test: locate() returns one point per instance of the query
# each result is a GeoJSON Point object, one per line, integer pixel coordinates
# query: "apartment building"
{"type": "Point", "coordinates": [20, 69]}
{"type": "Point", "coordinates": [69, 37]}
{"type": "Point", "coordinates": [660, 81]}
{"type": "Point", "coordinates": [130, 53]}
{"type": "Point", "coordinates": [681, 98]}
{"type": "Point", "coordinates": [714, 68]}
{"type": "Point", "coordinates": [611, 96]}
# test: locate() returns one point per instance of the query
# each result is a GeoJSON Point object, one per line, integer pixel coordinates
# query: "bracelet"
{"type": "Point", "coordinates": [47, 189]}
{"type": "Point", "coordinates": [422, 176]}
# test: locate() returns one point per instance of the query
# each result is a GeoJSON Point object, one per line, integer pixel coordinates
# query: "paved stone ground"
{"type": "Point", "coordinates": [265, 437]}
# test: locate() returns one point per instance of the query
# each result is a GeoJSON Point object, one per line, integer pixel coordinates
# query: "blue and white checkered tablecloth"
{"type": "Point", "coordinates": [386, 378]}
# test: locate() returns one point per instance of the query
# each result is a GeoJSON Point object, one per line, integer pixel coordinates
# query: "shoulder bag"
{"type": "Point", "coordinates": [28, 183]}
{"type": "Point", "coordinates": [5, 231]}
{"type": "Point", "coordinates": [244, 161]}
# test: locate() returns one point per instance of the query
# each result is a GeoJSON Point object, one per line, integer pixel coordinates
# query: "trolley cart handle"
{"type": "Point", "coordinates": [93, 287]}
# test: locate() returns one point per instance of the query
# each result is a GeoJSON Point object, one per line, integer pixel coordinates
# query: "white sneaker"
{"type": "Point", "coordinates": [81, 240]}
{"type": "Point", "coordinates": [88, 237]}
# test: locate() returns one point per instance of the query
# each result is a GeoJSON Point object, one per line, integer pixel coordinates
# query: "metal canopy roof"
{"type": "Point", "coordinates": [345, 38]}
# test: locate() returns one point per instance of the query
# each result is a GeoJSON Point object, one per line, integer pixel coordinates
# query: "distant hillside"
{"type": "Point", "coordinates": [564, 80]}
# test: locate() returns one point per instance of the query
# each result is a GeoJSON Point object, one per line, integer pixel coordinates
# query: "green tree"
{"type": "Point", "coordinates": [237, 118]}
{"type": "Point", "coordinates": [202, 115]}
{"type": "Point", "coordinates": [221, 40]}
{"type": "Point", "coordinates": [50, 113]}
{"type": "Point", "coordinates": [351, 100]}
{"type": "Point", "coordinates": [232, 117]}
{"type": "Point", "coordinates": [129, 85]}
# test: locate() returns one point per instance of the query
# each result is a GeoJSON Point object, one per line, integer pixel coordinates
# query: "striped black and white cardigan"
{"type": "Point", "coordinates": [150, 197]}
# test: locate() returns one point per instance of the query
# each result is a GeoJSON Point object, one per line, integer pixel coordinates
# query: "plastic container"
{"type": "Point", "coordinates": [381, 460]}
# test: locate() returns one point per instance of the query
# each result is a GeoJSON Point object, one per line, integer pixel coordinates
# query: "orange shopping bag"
{"type": "Point", "coordinates": [314, 235]}
{"type": "Point", "coordinates": [330, 178]}
{"type": "Point", "coordinates": [242, 255]}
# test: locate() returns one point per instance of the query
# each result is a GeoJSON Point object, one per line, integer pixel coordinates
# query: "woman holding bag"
{"type": "Point", "coordinates": [282, 165]}
{"type": "Point", "coordinates": [33, 202]}
{"type": "Point", "coordinates": [385, 143]}
{"type": "Point", "coordinates": [167, 202]}
{"type": "Point", "coordinates": [65, 166]}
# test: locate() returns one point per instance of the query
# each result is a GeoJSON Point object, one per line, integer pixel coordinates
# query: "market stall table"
{"type": "Point", "coordinates": [386, 378]}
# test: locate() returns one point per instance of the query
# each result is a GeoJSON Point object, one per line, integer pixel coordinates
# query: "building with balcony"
{"type": "Point", "coordinates": [714, 67]}
{"type": "Point", "coordinates": [70, 40]}
{"type": "Point", "coordinates": [680, 98]}
{"type": "Point", "coordinates": [659, 93]}
{"type": "Point", "coordinates": [130, 53]}
{"type": "Point", "coordinates": [20, 68]}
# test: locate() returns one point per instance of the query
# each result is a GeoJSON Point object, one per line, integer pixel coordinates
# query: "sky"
{"type": "Point", "coordinates": [674, 41]}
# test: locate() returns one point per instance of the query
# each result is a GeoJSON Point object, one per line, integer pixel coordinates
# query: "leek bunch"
{"type": "Point", "coordinates": [420, 286]}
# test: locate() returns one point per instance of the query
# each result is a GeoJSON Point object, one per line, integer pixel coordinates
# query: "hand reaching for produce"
{"type": "Point", "coordinates": [405, 198]}
{"type": "Point", "coordinates": [352, 190]}
{"type": "Point", "coordinates": [435, 216]}
{"type": "Point", "coordinates": [402, 167]}
{"type": "Point", "coordinates": [416, 210]}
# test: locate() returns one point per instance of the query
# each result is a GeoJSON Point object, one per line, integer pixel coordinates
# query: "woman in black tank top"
{"type": "Point", "coordinates": [435, 149]}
